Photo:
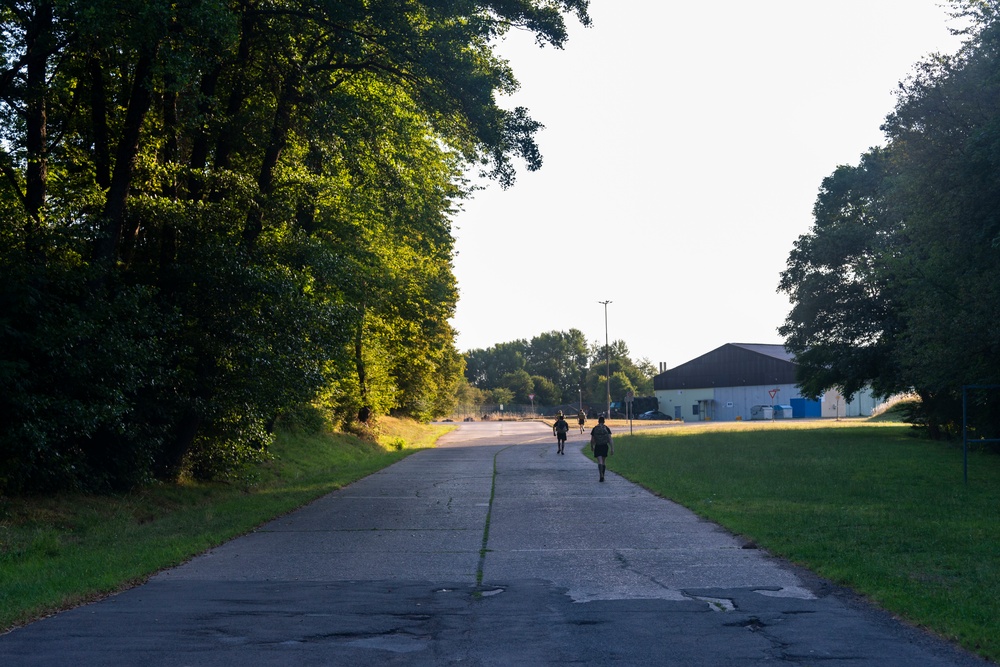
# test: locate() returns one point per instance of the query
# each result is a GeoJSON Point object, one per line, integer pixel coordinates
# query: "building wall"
{"type": "Point", "coordinates": [725, 383]}
{"type": "Point", "coordinates": [863, 404]}
{"type": "Point", "coordinates": [728, 403]}
{"type": "Point", "coordinates": [744, 398]}
{"type": "Point", "coordinates": [671, 399]}
{"type": "Point", "coordinates": [734, 403]}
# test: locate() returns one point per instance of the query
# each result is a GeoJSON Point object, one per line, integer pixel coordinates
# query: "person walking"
{"type": "Point", "coordinates": [560, 429]}
{"type": "Point", "coordinates": [581, 419]}
{"type": "Point", "coordinates": [601, 444]}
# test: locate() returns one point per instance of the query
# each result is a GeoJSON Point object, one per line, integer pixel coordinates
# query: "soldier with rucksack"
{"type": "Point", "coordinates": [560, 429]}
{"type": "Point", "coordinates": [601, 445]}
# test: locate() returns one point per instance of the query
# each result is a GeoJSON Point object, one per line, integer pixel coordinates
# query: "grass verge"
{"type": "Point", "coordinates": [868, 506]}
{"type": "Point", "coordinates": [57, 552]}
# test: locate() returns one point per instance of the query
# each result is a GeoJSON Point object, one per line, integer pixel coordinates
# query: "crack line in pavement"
{"type": "Point", "coordinates": [486, 528]}
{"type": "Point", "coordinates": [627, 565]}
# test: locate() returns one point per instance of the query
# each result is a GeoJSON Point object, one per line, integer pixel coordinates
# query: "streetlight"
{"type": "Point", "coordinates": [607, 355]}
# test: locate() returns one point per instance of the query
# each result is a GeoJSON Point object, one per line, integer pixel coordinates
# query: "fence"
{"type": "Point", "coordinates": [983, 438]}
{"type": "Point", "coordinates": [492, 411]}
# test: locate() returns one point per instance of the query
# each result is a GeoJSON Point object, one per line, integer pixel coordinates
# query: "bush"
{"type": "Point", "coordinates": [229, 451]}
{"type": "Point", "coordinates": [304, 419]}
{"type": "Point", "coordinates": [75, 364]}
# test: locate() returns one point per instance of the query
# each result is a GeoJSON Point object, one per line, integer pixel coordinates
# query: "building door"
{"type": "Point", "coordinates": [677, 412]}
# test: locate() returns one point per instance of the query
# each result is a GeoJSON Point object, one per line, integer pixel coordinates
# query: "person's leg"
{"type": "Point", "coordinates": [600, 467]}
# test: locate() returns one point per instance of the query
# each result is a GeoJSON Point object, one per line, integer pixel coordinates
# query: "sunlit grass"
{"type": "Point", "coordinates": [61, 551]}
{"type": "Point", "coordinates": [870, 506]}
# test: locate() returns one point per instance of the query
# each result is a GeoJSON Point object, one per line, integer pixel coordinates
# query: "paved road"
{"type": "Point", "coordinates": [488, 550]}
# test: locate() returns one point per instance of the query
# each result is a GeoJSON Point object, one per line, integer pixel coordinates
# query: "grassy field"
{"type": "Point", "coordinates": [869, 506]}
{"type": "Point", "coordinates": [58, 552]}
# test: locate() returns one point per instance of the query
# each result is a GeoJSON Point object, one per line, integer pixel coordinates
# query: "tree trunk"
{"type": "Point", "coordinates": [99, 123]}
{"type": "Point", "coordinates": [359, 360]}
{"type": "Point", "coordinates": [280, 128]}
{"type": "Point", "coordinates": [200, 145]}
{"type": "Point", "coordinates": [227, 137]}
{"type": "Point", "coordinates": [40, 43]}
{"type": "Point", "coordinates": [109, 242]}
{"type": "Point", "coordinates": [174, 451]}
{"type": "Point", "coordinates": [171, 155]}
{"type": "Point", "coordinates": [305, 216]}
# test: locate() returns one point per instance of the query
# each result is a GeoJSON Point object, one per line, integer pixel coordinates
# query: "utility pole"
{"type": "Point", "coordinates": [607, 355]}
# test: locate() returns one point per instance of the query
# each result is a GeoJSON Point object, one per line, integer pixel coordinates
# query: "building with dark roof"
{"type": "Point", "coordinates": [745, 381]}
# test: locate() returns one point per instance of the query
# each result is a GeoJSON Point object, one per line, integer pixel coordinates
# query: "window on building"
{"type": "Point", "coordinates": [694, 409]}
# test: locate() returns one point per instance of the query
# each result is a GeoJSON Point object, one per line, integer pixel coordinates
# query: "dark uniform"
{"type": "Point", "coordinates": [600, 444]}
{"type": "Point", "coordinates": [560, 428]}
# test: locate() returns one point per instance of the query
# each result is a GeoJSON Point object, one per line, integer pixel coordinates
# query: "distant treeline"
{"type": "Point", "coordinates": [214, 212]}
{"type": "Point", "coordinates": [556, 368]}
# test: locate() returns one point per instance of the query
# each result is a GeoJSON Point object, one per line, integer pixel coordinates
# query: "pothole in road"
{"type": "Point", "coordinates": [717, 604]}
{"type": "Point", "coordinates": [753, 624]}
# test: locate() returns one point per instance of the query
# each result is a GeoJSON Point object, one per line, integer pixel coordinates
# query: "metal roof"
{"type": "Point", "coordinates": [776, 351]}
{"type": "Point", "coordinates": [732, 365]}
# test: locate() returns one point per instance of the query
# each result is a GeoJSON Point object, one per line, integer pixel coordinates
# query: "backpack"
{"type": "Point", "coordinates": [602, 435]}
{"type": "Point", "coordinates": [562, 426]}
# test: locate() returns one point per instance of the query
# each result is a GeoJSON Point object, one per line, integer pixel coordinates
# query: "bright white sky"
{"type": "Point", "coordinates": [684, 146]}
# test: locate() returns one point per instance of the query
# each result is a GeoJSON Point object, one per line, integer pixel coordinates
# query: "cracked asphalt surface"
{"type": "Point", "coordinates": [489, 550]}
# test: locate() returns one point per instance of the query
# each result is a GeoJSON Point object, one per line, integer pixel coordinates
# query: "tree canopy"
{"type": "Point", "coordinates": [212, 211]}
{"type": "Point", "coordinates": [897, 284]}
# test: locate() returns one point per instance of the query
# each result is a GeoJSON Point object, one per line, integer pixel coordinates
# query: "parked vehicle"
{"type": "Point", "coordinates": [654, 414]}
{"type": "Point", "coordinates": [640, 404]}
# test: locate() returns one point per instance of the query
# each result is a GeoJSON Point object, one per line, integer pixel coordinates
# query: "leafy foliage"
{"type": "Point", "coordinates": [557, 367]}
{"type": "Point", "coordinates": [897, 284]}
{"type": "Point", "coordinates": [212, 212]}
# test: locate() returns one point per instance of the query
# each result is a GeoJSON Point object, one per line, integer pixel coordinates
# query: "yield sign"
{"type": "Point", "coordinates": [773, 393]}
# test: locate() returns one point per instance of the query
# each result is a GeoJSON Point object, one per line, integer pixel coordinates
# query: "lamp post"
{"type": "Point", "coordinates": [607, 355]}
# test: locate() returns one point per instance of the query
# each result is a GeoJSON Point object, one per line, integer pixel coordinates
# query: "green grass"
{"type": "Point", "coordinates": [869, 506]}
{"type": "Point", "coordinates": [57, 552]}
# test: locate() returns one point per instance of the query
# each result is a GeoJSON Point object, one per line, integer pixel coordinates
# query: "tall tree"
{"type": "Point", "coordinates": [897, 283]}
{"type": "Point", "coordinates": [560, 357]}
{"type": "Point", "coordinates": [485, 368]}
{"type": "Point", "coordinates": [844, 322]}
{"type": "Point", "coordinates": [213, 192]}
